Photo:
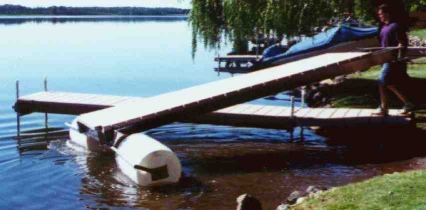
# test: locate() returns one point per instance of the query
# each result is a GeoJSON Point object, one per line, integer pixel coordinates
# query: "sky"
{"type": "Point", "coordinates": [103, 3]}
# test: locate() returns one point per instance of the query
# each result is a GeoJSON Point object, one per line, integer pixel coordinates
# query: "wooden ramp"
{"type": "Point", "coordinates": [244, 115]}
{"type": "Point", "coordinates": [136, 116]}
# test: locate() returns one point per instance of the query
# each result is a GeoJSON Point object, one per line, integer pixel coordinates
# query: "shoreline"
{"type": "Point", "coordinates": [398, 190]}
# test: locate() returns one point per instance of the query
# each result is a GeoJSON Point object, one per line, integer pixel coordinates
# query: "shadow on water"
{"type": "Point", "coordinates": [377, 145]}
{"type": "Point", "coordinates": [93, 19]}
{"type": "Point", "coordinates": [344, 146]}
{"type": "Point", "coordinates": [350, 147]}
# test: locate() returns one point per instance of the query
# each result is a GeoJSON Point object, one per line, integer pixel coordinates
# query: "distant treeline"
{"type": "Point", "coordinates": [8, 9]}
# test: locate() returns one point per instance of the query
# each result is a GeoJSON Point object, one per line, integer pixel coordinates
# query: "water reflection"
{"type": "Point", "coordinates": [16, 20]}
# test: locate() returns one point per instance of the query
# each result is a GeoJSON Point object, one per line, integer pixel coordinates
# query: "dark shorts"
{"type": "Point", "coordinates": [394, 73]}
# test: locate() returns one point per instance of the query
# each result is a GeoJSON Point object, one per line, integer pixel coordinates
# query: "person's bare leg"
{"type": "Point", "coordinates": [383, 110]}
{"type": "Point", "coordinates": [398, 93]}
{"type": "Point", "coordinates": [409, 107]}
{"type": "Point", "coordinates": [383, 97]}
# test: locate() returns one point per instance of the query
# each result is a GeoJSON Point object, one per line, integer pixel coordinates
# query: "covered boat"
{"type": "Point", "coordinates": [338, 39]}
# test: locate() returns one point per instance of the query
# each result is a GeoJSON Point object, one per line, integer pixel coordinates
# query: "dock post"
{"type": "Point", "coordinates": [46, 117]}
{"type": "Point", "coordinates": [18, 116]}
{"type": "Point", "coordinates": [218, 67]}
{"type": "Point", "coordinates": [292, 117]}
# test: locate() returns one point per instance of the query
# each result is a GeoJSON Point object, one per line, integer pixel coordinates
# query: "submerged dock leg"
{"type": "Point", "coordinates": [303, 97]}
{"type": "Point", "coordinates": [46, 117]}
{"type": "Point", "coordinates": [18, 116]}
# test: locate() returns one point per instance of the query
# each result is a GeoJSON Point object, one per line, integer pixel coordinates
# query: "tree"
{"type": "Point", "coordinates": [219, 21]}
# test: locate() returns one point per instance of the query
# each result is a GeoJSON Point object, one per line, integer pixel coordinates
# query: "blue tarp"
{"type": "Point", "coordinates": [325, 40]}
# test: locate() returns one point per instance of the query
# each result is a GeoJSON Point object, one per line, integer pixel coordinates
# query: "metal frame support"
{"type": "Point", "coordinates": [302, 136]}
{"type": "Point", "coordinates": [45, 84]}
{"type": "Point", "coordinates": [292, 106]}
{"type": "Point", "coordinates": [218, 61]}
{"type": "Point", "coordinates": [46, 117]}
{"type": "Point", "coordinates": [18, 116]}
{"type": "Point", "coordinates": [303, 97]}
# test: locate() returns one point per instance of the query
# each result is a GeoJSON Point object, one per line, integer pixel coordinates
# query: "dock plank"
{"type": "Point", "coordinates": [327, 113]}
{"type": "Point", "coordinates": [339, 113]}
{"type": "Point", "coordinates": [278, 111]}
{"type": "Point", "coordinates": [33, 96]}
{"type": "Point", "coordinates": [265, 110]}
{"type": "Point", "coordinates": [252, 109]}
{"type": "Point", "coordinates": [314, 113]}
{"type": "Point", "coordinates": [239, 109]}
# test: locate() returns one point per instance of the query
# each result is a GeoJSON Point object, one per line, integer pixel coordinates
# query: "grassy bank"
{"type": "Point", "coordinates": [419, 33]}
{"type": "Point", "coordinates": [391, 191]}
{"type": "Point", "coordinates": [361, 90]}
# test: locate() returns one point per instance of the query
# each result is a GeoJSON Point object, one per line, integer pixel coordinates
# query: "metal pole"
{"type": "Point", "coordinates": [218, 61]}
{"type": "Point", "coordinates": [45, 84]}
{"type": "Point", "coordinates": [303, 96]}
{"type": "Point", "coordinates": [46, 117]}
{"type": "Point", "coordinates": [18, 117]}
{"type": "Point", "coordinates": [257, 45]}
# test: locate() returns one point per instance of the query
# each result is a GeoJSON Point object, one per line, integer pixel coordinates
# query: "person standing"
{"type": "Point", "coordinates": [393, 75]}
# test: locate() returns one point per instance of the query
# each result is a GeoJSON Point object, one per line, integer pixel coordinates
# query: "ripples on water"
{"type": "Point", "coordinates": [40, 171]}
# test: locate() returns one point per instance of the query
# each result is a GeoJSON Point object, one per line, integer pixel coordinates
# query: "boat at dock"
{"type": "Point", "coordinates": [337, 39]}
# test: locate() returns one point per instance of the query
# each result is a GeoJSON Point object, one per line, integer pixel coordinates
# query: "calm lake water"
{"type": "Point", "coordinates": [145, 57]}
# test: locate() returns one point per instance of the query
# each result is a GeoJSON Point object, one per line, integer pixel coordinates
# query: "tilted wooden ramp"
{"type": "Point", "coordinates": [130, 117]}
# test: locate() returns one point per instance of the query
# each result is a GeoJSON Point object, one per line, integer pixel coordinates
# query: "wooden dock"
{"type": "Point", "coordinates": [137, 116]}
{"type": "Point", "coordinates": [244, 115]}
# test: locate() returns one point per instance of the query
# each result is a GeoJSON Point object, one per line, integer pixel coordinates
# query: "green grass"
{"type": "Point", "coordinates": [419, 33]}
{"type": "Point", "coordinates": [392, 191]}
{"type": "Point", "coordinates": [361, 91]}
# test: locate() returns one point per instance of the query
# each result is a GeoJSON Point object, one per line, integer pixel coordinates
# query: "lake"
{"type": "Point", "coordinates": [147, 56]}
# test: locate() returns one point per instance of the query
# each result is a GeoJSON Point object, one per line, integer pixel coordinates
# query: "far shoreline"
{"type": "Point", "coordinates": [88, 16]}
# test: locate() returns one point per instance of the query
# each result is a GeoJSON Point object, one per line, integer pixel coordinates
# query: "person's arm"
{"type": "Point", "coordinates": [402, 38]}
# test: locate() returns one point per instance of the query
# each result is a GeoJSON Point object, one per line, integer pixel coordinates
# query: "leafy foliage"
{"type": "Point", "coordinates": [218, 21]}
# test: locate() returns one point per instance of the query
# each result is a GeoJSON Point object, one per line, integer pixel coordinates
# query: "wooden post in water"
{"type": "Point", "coordinates": [18, 117]}
{"type": "Point", "coordinates": [218, 61]}
{"type": "Point", "coordinates": [292, 106]}
{"type": "Point", "coordinates": [46, 117]}
{"type": "Point", "coordinates": [292, 116]}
